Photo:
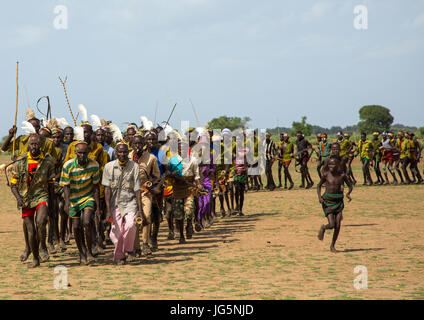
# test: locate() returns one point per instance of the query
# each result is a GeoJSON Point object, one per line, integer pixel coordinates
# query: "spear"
{"type": "Point", "coordinates": [169, 118]}
{"type": "Point", "coordinates": [16, 110]}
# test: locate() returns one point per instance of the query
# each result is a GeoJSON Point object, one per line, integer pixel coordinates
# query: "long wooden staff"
{"type": "Point", "coordinates": [195, 114]}
{"type": "Point", "coordinates": [67, 100]}
{"type": "Point", "coordinates": [16, 111]}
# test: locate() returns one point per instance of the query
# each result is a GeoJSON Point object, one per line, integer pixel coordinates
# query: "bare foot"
{"type": "Point", "coordinates": [333, 249]}
{"type": "Point", "coordinates": [321, 233]}
{"type": "Point", "coordinates": [83, 259]}
{"type": "Point", "coordinates": [90, 258]}
{"type": "Point", "coordinates": [34, 263]}
{"type": "Point", "coordinates": [44, 256]}
{"type": "Point", "coordinates": [131, 257]}
{"type": "Point", "coordinates": [24, 256]}
{"type": "Point", "coordinates": [62, 246]}
{"type": "Point", "coordinates": [51, 248]}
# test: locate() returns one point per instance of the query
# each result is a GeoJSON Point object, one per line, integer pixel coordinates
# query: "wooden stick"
{"type": "Point", "coordinates": [16, 110]}
{"type": "Point", "coordinates": [195, 114]}
{"type": "Point", "coordinates": [67, 100]}
{"type": "Point", "coordinates": [156, 112]}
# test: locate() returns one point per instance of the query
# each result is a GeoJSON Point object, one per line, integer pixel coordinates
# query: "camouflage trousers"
{"type": "Point", "coordinates": [168, 206]}
{"type": "Point", "coordinates": [184, 208]}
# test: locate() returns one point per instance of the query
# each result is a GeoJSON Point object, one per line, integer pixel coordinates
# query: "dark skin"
{"type": "Point", "coordinates": [122, 155]}
{"type": "Point", "coordinates": [12, 131]}
{"type": "Point", "coordinates": [130, 134]}
{"type": "Point", "coordinates": [108, 136]}
{"type": "Point", "coordinates": [68, 135]}
{"type": "Point", "coordinates": [366, 166]}
{"type": "Point", "coordinates": [88, 131]}
{"type": "Point", "coordinates": [100, 136]}
{"type": "Point", "coordinates": [304, 167]}
{"type": "Point", "coordinates": [34, 231]}
{"type": "Point", "coordinates": [45, 133]}
{"type": "Point", "coordinates": [287, 175]}
{"type": "Point", "coordinates": [53, 218]}
{"type": "Point", "coordinates": [86, 254]}
{"type": "Point", "coordinates": [334, 179]}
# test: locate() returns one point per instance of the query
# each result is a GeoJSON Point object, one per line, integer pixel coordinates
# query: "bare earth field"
{"type": "Point", "coordinates": [271, 253]}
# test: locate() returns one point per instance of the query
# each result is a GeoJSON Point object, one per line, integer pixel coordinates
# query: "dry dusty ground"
{"type": "Point", "coordinates": [271, 253]}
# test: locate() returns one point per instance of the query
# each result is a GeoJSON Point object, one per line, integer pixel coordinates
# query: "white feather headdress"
{"type": "Point", "coordinates": [27, 127]}
{"type": "Point", "coordinates": [116, 132]}
{"type": "Point", "coordinates": [97, 123]}
{"type": "Point", "coordinates": [62, 123]}
{"type": "Point", "coordinates": [167, 129]}
{"type": "Point", "coordinates": [147, 124]}
{"type": "Point", "coordinates": [83, 111]}
{"type": "Point", "coordinates": [79, 133]}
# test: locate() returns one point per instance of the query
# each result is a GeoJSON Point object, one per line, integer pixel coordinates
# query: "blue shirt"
{"type": "Point", "coordinates": [160, 158]}
{"type": "Point", "coordinates": [110, 151]}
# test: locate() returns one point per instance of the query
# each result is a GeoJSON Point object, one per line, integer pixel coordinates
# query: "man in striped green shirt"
{"type": "Point", "coordinates": [80, 178]}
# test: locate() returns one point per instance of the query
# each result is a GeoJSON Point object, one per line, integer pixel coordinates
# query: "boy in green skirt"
{"type": "Point", "coordinates": [332, 199]}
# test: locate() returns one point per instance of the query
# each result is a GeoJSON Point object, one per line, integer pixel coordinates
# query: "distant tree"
{"type": "Point", "coordinates": [421, 132]}
{"type": "Point", "coordinates": [374, 118]}
{"type": "Point", "coordinates": [231, 123]}
{"type": "Point", "coordinates": [306, 128]}
{"type": "Point", "coordinates": [401, 127]}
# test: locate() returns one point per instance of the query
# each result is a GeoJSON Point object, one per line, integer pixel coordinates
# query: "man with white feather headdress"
{"type": "Point", "coordinates": [84, 133]}
{"type": "Point", "coordinates": [30, 125]}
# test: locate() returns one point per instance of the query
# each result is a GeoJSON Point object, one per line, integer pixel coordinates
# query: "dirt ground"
{"type": "Point", "coordinates": [271, 253]}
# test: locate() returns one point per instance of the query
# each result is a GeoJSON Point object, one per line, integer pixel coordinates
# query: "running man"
{"type": "Point", "coordinates": [332, 199]}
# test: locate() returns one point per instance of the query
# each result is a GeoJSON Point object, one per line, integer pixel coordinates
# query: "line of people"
{"type": "Point", "coordinates": [385, 153]}
{"type": "Point", "coordinates": [99, 186]}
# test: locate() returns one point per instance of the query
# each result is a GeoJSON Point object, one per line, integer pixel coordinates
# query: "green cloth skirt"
{"type": "Point", "coordinates": [333, 203]}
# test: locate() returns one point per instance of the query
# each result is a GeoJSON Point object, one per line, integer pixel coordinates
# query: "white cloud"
{"type": "Point", "coordinates": [418, 21]}
{"type": "Point", "coordinates": [318, 10]}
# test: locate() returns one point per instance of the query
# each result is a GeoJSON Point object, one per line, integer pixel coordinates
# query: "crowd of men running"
{"type": "Point", "coordinates": [97, 185]}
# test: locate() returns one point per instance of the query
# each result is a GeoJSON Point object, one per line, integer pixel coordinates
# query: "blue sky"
{"type": "Point", "coordinates": [273, 61]}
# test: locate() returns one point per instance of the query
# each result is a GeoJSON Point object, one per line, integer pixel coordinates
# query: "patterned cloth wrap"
{"type": "Point", "coordinates": [184, 208]}
{"type": "Point", "coordinates": [333, 203]}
